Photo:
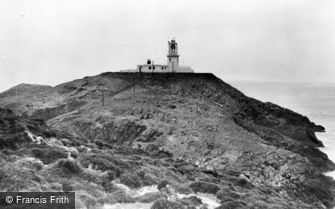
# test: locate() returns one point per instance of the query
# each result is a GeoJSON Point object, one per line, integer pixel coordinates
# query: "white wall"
{"type": "Point", "coordinates": [173, 65]}
{"type": "Point", "coordinates": [158, 68]}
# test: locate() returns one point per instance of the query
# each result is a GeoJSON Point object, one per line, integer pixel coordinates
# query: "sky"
{"type": "Point", "coordinates": [51, 42]}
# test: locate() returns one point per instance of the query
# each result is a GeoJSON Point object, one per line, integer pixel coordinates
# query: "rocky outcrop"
{"type": "Point", "coordinates": [193, 130]}
{"type": "Point", "coordinates": [48, 113]}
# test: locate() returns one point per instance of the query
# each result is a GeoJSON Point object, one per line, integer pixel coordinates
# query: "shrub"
{"type": "Point", "coordinates": [48, 155]}
{"type": "Point", "coordinates": [192, 200]}
{"type": "Point", "coordinates": [244, 183]}
{"type": "Point", "coordinates": [166, 204]}
{"type": "Point", "coordinates": [110, 175]}
{"type": "Point", "coordinates": [162, 184]}
{"type": "Point", "coordinates": [69, 166]}
{"type": "Point", "coordinates": [131, 180]}
{"type": "Point", "coordinates": [148, 180]}
{"type": "Point", "coordinates": [183, 190]}
{"type": "Point", "coordinates": [3, 175]}
{"type": "Point", "coordinates": [121, 196]}
{"type": "Point", "coordinates": [105, 163]}
{"type": "Point", "coordinates": [233, 205]}
{"type": "Point", "coordinates": [67, 187]}
{"type": "Point", "coordinates": [204, 187]}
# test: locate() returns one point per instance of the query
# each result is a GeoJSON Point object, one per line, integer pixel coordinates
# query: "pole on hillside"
{"type": "Point", "coordinates": [134, 82]}
{"type": "Point", "coordinates": [102, 98]}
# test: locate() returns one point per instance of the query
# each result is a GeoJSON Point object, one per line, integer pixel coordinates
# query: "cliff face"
{"type": "Point", "coordinates": [193, 130]}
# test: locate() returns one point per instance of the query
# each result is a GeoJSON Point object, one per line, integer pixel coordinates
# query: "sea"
{"type": "Point", "coordinates": [314, 100]}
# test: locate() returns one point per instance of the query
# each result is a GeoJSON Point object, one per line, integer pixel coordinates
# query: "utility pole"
{"type": "Point", "coordinates": [134, 82]}
{"type": "Point", "coordinates": [103, 98]}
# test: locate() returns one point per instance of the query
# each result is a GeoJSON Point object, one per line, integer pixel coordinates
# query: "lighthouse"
{"type": "Point", "coordinates": [172, 65]}
{"type": "Point", "coordinates": [173, 56]}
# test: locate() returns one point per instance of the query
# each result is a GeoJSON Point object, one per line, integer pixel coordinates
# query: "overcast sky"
{"type": "Point", "coordinates": [50, 42]}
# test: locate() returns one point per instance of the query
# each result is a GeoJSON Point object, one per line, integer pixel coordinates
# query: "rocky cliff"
{"type": "Point", "coordinates": [191, 130]}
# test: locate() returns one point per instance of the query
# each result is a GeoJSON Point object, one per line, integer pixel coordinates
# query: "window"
{"type": "Point", "coordinates": [153, 67]}
{"type": "Point", "coordinates": [173, 47]}
{"type": "Point", "coordinates": [149, 67]}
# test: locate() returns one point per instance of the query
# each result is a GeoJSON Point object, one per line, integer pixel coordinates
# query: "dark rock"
{"type": "Point", "coordinates": [172, 106]}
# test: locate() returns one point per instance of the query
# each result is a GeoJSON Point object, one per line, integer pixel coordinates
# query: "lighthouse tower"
{"type": "Point", "coordinates": [173, 56]}
{"type": "Point", "coordinates": [172, 63]}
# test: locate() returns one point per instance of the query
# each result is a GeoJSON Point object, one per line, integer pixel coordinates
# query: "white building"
{"type": "Point", "coordinates": [172, 63]}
